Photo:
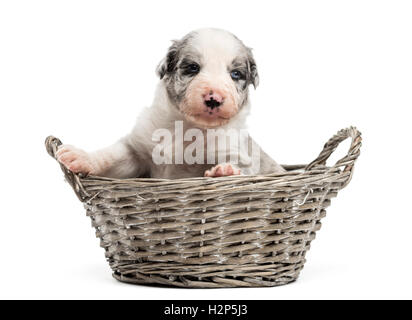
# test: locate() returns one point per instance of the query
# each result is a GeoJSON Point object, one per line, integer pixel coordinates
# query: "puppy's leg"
{"type": "Point", "coordinates": [268, 165]}
{"type": "Point", "coordinates": [222, 170]}
{"type": "Point", "coordinates": [116, 161]}
{"type": "Point", "coordinates": [261, 162]}
{"type": "Point", "coordinates": [77, 160]}
{"type": "Point", "coordinates": [258, 162]}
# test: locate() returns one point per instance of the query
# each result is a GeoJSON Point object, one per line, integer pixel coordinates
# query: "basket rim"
{"type": "Point", "coordinates": [342, 167]}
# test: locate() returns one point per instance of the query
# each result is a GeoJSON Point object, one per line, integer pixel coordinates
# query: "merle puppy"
{"type": "Point", "coordinates": [204, 83]}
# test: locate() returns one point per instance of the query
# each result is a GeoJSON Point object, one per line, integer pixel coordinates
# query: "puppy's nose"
{"type": "Point", "coordinates": [213, 100]}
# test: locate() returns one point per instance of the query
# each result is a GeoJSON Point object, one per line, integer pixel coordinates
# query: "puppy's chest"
{"type": "Point", "coordinates": [191, 154]}
{"type": "Point", "coordinates": [203, 149]}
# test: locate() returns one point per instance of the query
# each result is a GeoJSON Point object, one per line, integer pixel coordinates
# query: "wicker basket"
{"type": "Point", "coordinates": [239, 231]}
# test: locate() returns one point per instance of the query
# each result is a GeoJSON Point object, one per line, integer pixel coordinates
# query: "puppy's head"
{"type": "Point", "coordinates": [207, 75]}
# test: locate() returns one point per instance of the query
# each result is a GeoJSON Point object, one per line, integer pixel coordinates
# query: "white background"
{"type": "Point", "coordinates": [81, 70]}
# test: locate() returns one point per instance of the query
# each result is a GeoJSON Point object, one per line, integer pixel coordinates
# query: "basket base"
{"type": "Point", "coordinates": [180, 275]}
{"type": "Point", "coordinates": [183, 282]}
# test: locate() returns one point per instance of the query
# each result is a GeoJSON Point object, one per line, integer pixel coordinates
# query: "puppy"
{"type": "Point", "coordinates": [203, 93]}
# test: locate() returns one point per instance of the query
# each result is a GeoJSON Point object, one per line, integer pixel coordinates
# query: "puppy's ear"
{"type": "Point", "coordinates": [253, 75]}
{"type": "Point", "coordinates": [168, 64]}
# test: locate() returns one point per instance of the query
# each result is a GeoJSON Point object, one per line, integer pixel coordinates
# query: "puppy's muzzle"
{"type": "Point", "coordinates": [213, 100]}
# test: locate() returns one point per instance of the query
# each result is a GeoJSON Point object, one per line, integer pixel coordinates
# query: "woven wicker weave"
{"type": "Point", "coordinates": [239, 231]}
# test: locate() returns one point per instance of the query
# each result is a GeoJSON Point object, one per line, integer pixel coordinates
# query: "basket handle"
{"type": "Point", "coordinates": [52, 145]}
{"type": "Point", "coordinates": [347, 161]}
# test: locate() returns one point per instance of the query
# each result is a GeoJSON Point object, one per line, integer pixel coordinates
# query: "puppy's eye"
{"type": "Point", "coordinates": [192, 68]}
{"type": "Point", "coordinates": [236, 75]}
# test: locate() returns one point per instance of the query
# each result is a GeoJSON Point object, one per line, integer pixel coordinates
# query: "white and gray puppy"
{"type": "Point", "coordinates": [204, 85]}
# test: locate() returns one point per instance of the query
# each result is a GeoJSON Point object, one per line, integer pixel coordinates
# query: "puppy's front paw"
{"type": "Point", "coordinates": [76, 160]}
{"type": "Point", "coordinates": [222, 170]}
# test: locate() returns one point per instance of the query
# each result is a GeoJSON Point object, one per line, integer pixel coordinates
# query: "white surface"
{"type": "Point", "coordinates": [81, 70]}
